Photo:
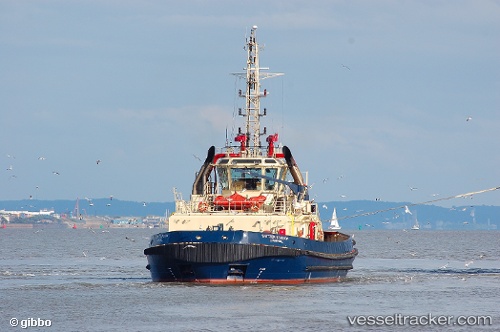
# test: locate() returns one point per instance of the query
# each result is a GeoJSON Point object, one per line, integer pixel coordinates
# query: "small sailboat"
{"type": "Point", "coordinates": [334, 222]}
{"type": "Point", "coordinates": [416, 225]}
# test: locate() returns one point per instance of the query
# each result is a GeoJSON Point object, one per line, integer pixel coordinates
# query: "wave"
{"type": "Point", "coordinates": [451, 271]}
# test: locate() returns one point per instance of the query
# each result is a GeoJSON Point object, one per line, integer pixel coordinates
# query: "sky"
{"type": "Point", "coordinates": [373, 104]}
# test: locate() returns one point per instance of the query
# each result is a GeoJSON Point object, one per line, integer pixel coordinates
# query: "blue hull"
{"type": "Point", "coordinates": [247, 257]}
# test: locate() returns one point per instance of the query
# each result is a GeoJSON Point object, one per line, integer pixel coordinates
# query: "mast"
{"type": "Point", "coordinates": [76, 210]}
{"type": "Point", "coordinates": [253, 94]}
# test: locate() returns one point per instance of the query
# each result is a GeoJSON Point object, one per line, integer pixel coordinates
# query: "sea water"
{"type": "Point", "coordinates": [96, 280]}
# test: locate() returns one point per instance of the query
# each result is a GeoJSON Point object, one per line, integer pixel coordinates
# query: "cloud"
{"type": "Point", "coordinates": [183, 119]}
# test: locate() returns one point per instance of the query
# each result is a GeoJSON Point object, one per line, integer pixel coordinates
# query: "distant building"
{"type": "Point", "coordinates": [27, 214]}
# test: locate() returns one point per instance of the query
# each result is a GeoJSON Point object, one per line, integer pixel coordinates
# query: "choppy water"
{"type": "Point", "coordinates": [85, 280]}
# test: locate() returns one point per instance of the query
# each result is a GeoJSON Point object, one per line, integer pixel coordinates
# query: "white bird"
{"type": "Point", "coordinates": [407, 210]}
{"type": "Point", "coordinates": [468, 118]}
{"type": "Point", "coordinates": [98, 161]}
{"type": "Point", "coordinates": [189, 246]}
{"type": "Point", "coordinates": [408, 279]}
{"type": "Point", "coordinates": [343, 196]}
{"type": "Point", "coordinates": [41, 158]}
{"type": "Point", "coordinates": [444, 266]}
{"type": "Point", "coordinates": [56, 173]}
{"type": "Point", "coordinates": [468, 263]}
{"type": "Point", "coordinates": [325, 207]}
{"type": "Point", "coordinates": [9, 168]}
{"type": "Point", "coordinates": [413, 188]}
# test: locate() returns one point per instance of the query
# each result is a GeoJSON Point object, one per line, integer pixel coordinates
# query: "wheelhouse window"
{"type": "Point", "coordinates": [270, 173]}
{"type": "Point", "coordinates": [242, 178]}
{"type": "Point", "coordinates": [223, 178]}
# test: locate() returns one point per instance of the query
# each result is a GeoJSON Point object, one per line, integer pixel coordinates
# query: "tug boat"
{"type": "Point", "coordinates": [249, 218]}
